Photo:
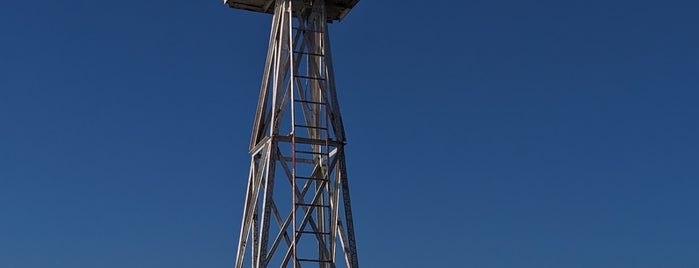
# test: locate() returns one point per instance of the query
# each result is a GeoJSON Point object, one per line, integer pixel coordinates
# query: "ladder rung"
{"type": "Point", "coordinates": [309, 232]}
{"type": "Point", "coordinates": [309, 152]}
{"type": "Point", "coordinates": [310, 178]}
{"type": "Point", "coordinates": [309, 53]}
{"type": "Point", "coordinates": [309, 77]}
{"type": "Point", "coordinates": [311, 102]}
{"type": "Point", "coordinates": [300, 160]}
{"type": "Point", "coordinates": [312, 205]}
{"type": "Point", "coordinates": [313, 127]}
{"type": "Point", "coordinates": [311, 260]}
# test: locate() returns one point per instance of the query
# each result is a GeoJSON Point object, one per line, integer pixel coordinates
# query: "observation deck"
{"type": "Point", "coordinates": [336, 10]}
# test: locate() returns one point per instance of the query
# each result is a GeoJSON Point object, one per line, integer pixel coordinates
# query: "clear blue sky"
{"type": "Point", "coordinates": [489, 134]}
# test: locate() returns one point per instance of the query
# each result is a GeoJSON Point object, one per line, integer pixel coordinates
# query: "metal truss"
{"type": "Point", "coordinates": [297, 210]}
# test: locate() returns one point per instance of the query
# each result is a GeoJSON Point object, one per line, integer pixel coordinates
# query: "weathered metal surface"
{"type": "Point", "coordinates": [335, 9]}
{"type": "Point", "coordinates": [297, 209]}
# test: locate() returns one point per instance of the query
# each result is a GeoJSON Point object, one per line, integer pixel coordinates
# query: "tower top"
{"type": "Point", "coordinates": [335, 9]}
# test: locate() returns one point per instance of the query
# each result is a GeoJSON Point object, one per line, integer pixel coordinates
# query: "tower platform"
{"type": "Point", "coordinates": [335, 9]}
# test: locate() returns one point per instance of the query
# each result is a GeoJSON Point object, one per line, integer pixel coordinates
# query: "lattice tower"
{"type": "Point", "coordinates": [297, 209]}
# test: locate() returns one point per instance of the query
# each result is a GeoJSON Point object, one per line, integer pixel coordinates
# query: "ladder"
{"type": "Point", "coordinates": [310, 142]}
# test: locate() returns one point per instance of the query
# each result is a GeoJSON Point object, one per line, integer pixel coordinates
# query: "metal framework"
{"type": "Point", "coordinates": [297, 209]}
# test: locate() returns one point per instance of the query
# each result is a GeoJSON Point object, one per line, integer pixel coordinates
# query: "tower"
{"type": "Point", "coordinates": [297, 209]}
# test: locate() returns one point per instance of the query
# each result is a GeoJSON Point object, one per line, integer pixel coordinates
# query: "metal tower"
{"type": "Point", "coordinates": [297, 210]}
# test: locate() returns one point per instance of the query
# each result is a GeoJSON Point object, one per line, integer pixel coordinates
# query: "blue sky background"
{"type": "Point", "coordinates": [490, 134]}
